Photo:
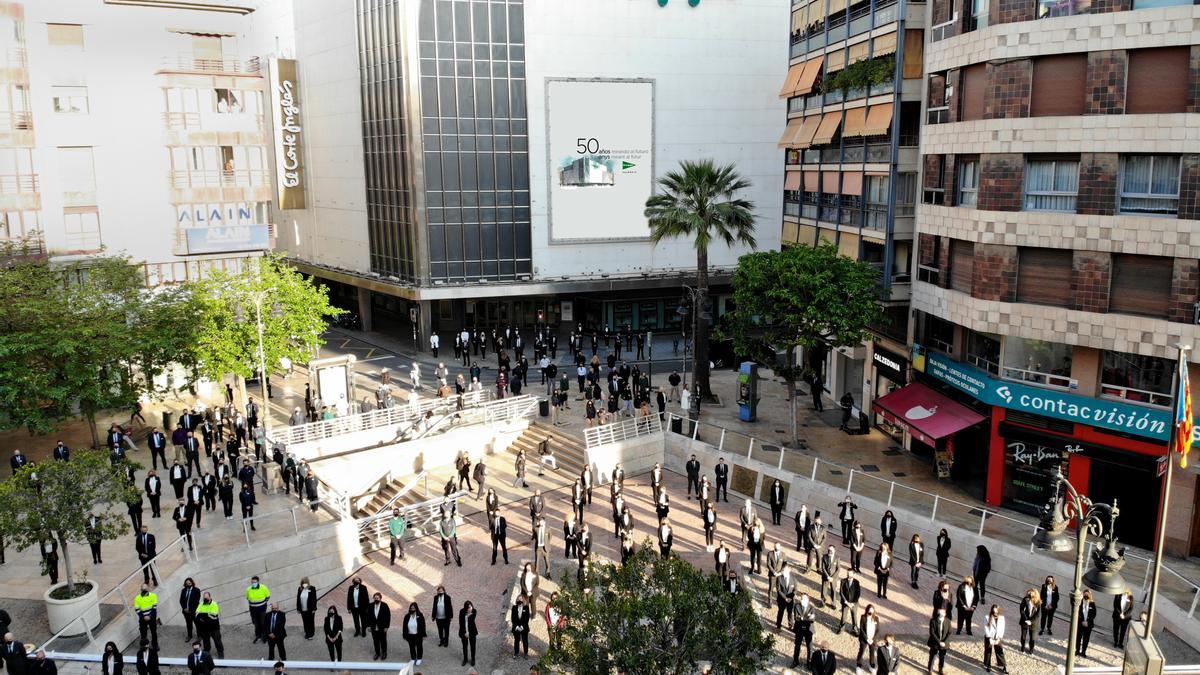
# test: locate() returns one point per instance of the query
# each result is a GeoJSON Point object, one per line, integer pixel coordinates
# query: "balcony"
{"type": "Point", "coordinates": [181, 121]}
{"type": "Point", "coordinates": [157, 274]}
{"type": "Point", "coordinates": [1039, 378]}
{"type": "Point", "coordinates": [13, 58]}
{"type": "Point", "coordinates": [29, 246]}
{"type": "Point", "coordinates": [22, 183]}
{"type": "Point", "coordinates": [1135, 395]}
{"type": "Point", "coordinates": [184, 179]}
{"type": "Point", "coordinates": [791, 209]}
{"type": "Point", "coordinates": [15, 120]}
{"type": "Point", "coordinates": [189, 63]}
{"type": "Point", "coordinates": [840, 28]}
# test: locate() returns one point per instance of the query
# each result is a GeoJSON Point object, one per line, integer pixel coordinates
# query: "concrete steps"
{"type": "Point", "coordinates": [569, 450]}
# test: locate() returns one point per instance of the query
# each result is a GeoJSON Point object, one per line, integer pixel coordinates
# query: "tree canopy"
{"type": "Point", "coordinates": [656, 615]}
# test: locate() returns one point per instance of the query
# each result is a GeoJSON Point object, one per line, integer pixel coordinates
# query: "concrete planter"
{"type": "Point", "coordinates": [60, 612]}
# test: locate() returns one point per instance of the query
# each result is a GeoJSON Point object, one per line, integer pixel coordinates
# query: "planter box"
{"type": "Point", "coordinates": [60, 612]}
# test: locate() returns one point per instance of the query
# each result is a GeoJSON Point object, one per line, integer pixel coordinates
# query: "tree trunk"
{"type": "Point", "coordinates": [66, 556]}
{"type": "Point", "coordinates": [700, 372]}
{"type": "Point", "coordinates": [790, 382]}
{"type": "Point", "coordinates": [90, 415]}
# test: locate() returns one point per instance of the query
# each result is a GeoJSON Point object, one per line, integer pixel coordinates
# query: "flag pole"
{"type": "Point", "coordinates": [1152, 600]}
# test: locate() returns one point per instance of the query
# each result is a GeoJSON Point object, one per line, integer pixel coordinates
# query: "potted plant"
{"type": "Point", "coordinates": [52, 501]}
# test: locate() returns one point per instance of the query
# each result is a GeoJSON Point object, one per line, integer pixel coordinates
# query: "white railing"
{"type": "Point", "coordinates": [1134, 394]}
{"type": "Point", "coordinates": [374, 528]}
{"type": "Point", "coordinates": [412, 483]}
{"type": "Point", "coordinates": [380, 417]}
{"type": "Point", "coordinates": [118, 595]}
{"type": "Point", "coordinates": [1008, 527]}
{"type": "Point", "coordinates": [508, 409]}
{"type": "Point", "coordinates": [1039, 378]}
{"type": "Point", "coordinates": [265, 665]}
{"type": "Point", "coordinates": [642, 425]}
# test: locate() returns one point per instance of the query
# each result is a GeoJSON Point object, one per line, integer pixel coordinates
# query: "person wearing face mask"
{"type": "Point", "coordinates": [1122, 614]}
{"type": "Point", "coordinates": [849, 592]}
{"type": "Point", "coordinates": [1049, 595]}
{"type": "Point", "coordinates": [467, 631]}
{"type": "Point", "coordinates": [887, 657]}
{"type": "Point", "coordinates": [966, 599]}
{"type": "Point", "coordinates": [200, 662]}
{"type": "Point", "coordinates": [333, 634]}
{"type": "Point", "coordinates": [275, 627]}
{"type": "Point", "coordinates": [357, 599]}
{"type": "Point", "coordinates": [145, 604]}
{"type": "Point", "coordinates": [379, 615]}
{"type": "Point", "coordinates": [414, 633]}
{"type": "Point", "coordinates": [189, 600]}
{"type": "Point", "coordinates": [44, 666]}
{"type": "Point", "coordinates": [147, 659]}
{"type": "Point", "coordinates": [1031, 607]}
{"type": "Point", "coordinates": [520, 626]}
{"type": "Point", "coordinates": [993, 637]}
{"type": "Point", "coordinates": [1087, 622]}
{"type": "Point", "coordinates": [257, 597]}
{"type": "Point", "coordinates": [208, 624]}
{"type": "Point", "coordinates": [306, 604]}
{"type": "Point", "coordinates": [858, 542]}
{"type": "Point", "coordinates": [803, 615]}
{"type": "Point", "coordinates": [111, 661]}
{"type": "Point", "coordinates": [868, 632]}
{"type": "Point", "coordinates": [443, 614]}
{"type": "Point", "coordinates": [939, 640]}
{"type": "Point", "coordinates": [883, 569]}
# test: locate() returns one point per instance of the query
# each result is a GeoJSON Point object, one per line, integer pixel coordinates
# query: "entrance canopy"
{"type": "Point", "coordinates": [925, 413]}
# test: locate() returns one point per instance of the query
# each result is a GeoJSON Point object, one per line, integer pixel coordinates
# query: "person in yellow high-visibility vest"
{"type": "Point", "coordinates": [145, 604]}
{"type": "Point", "coordinates": [258, 595]}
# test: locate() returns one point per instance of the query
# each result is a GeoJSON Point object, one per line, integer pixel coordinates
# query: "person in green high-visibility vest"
{"type": "Point", "coordinates": [258, 595]}
{"type": "Point", "coordinates": [146, 607]}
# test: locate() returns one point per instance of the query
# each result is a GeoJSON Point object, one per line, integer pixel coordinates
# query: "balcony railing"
{"type": "Point", "coordinates": [182, 180]}
{"type": "Point", "coordinates": [181, 120]}
{"type": "Point", "coordinates": [15, 183]}
{"type": "Point", "coordinates": [192, 63]}
{"type": "Point", "coordinates": [791, 209]}
{"type": "Point", "coordinates": [1040, 378]}
{"type": "Point", "coordinates": [937, 115]}
{"type": "Point", "coordinates": [15, 120]}
{"type": "Point", "coordinates": [1136, 395]}
{"type": "Point", "coordinates": [28, 246]}
{"type": "Point", "coordinates": [14, 57]}
{"type": "Point", "coordinates": [157, 274]}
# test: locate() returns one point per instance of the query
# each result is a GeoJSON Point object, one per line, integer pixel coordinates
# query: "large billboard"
{"type": "Point", "coordinates": [600, 154]}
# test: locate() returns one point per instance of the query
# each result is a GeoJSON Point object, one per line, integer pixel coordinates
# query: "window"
{"type": "Point", "coordinates": [82, 227]}
{"type": "Point", "coordinates": [70, 100]}
{"type": "Point", "coordinates": [962, 265]}
{"type": "Point", "coordinates": [968, 183]}
{"type": "Point", "coordinates": [906, 192]}
{"type": "Point", "coordinates": [1141, 284]}
{"type": "Point", "coordinates": [939, 334]}
{"type": "Point", "coordinates": [983, 350]}
{"type": "Point", "coordinates": [17, 225]}
{"type": "Point", "coordinates": [1044, 276]}
{"type": "Point", "coordinates": [1157, 81]}
{"type": "Point", "coordinates": [1037, 362]}
{"type": "Point", "coordinates": [1150, 184]}
{"type": "Point", "coordinates": [78, 176]}
{"type": "Point", "coordinates": [1051, 8]}
{"type": "Point", "coordinates": [1146, 379]}
{"type": "Point", "coordinates": [229, 101]}
{"type": "Point", "coordinates": [65, 35]}
{"type": "Point", "coordinates": [973, 86]}
{"type": "Point", "coordinates": [14, 108]}
{"type": "Point", "coordinates": [1051, 184]}
{"type": "Point", "coordinates": [1058, 85]}
{"type": "Point", "coordinates": [979, 15]}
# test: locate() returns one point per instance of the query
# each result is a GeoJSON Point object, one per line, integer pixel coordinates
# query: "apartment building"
{"type": "Point", "coordinates": [139, 128]}
{"type": "Point", "coordinates": [853, 90]}
{"type": "Point", "coordinates": [1058, 258]}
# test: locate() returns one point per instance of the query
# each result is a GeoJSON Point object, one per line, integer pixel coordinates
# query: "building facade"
{"type": "Point", "coordinates": [853, 91]}
{"type": "Point", "coordinates": [474, 117]}
{"type": "Point", "coordinates": [1057, 260]}
{"type": "Point", "coordinates": [141, 130]}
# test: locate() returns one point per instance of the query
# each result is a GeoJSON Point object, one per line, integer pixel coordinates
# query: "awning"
{"type": "Point", "coordinates": [791, 181]}
{"type": "Point", "coordinates": [835, 60]}
{"type": "Point", "coordinates": [812, 181]}
{"type": "Point", "coordinates": [828, 128]}
{"type": "Point", "coordinates": [879, 120]}
{"type": "Point", "coordinates": [829, 182]}
{"type": "Point", "coordinates": [856, 119]}
{"type": "Point", "coordinates": [884, 45]}
{"type": "Point", "coordinates": [789, 132]}
{"type": "Point", "coordinates": [925, 413]}
{"type": "Point", "coordinates": [858, 52]}
{"type": "Point", "coordinates": [804, 138]}
{"type": "Point", "coordinates": [852, 182]}
{"type": "Point", "coordinates": [790, 80]}
{"type": "Point", "coordinates": [812, 69]}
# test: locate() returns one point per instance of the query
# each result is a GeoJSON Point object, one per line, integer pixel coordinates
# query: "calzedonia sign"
{"type": "Point", "coordinates": [1151, 423]}
{"type": "Point", "coordinates": [285, 106]}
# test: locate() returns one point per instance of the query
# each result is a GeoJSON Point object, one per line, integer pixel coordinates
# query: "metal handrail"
{"type": "Point", "coordinates": [400, 667]}
{"type": "Point", "coordinates": [404, 491]}
{"type": "Point", "coordinates": [373, 527]}
{"type": "Point", "coordinates": [119, 592]}
{"type": "Point", "coordinates": [642, 425]}
{"type": "Point", "coordinates": [380, 417]}
{"type": "Point", "coordinates": [508, 409]}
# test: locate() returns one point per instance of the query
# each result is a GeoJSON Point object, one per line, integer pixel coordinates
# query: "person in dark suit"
{"type": "Point", "coordinates": [966, 599]}
{"type": "Point", "coordinates": [182, 515]}
{"type": "Point", "coordinates": [849, 592]}
{"type": "Point", "coordinates": [61, 453]}
{"type": "Point", "coordinates": [157, 441]}
{"type": "Point", "coordinates": [887, 528]}
{"type": "Point", "coordinates": [15, 660]}
{"type": "Point", "coordinates": [499, 530]}
{"type": "Point", "coordinates": [111, 661]}
{"type": "Point", "coordinates": [804, 613]}
{"type": "Point", "coordinates": [200, 662]}
{"type": "Point", "coordinates": [177, 476]}
{"type": "Point", "coordinates": [942, 551]}
{"type": "Point", "coordinates": [541, 545]}
{"type": "Point", "coordinates": [519, 618]}
{"type": "Point", "coordinates": [570, 537]}
{"type": "Point", "coordinates": [49, 550]}
{"type": "Point", "coordinates": [1030, 609]}
{"type": "Point", "coordinates": [306, 605]}
{"type": "Point", "coordinates": [887, 657]}
{"type": "Point", "coordinates": [721, 471]}
{"type": "Point", "coordinates": [1122, 614]}
{"type": "Point", "coordinates": [1049, 594]}
{"type": "Point", "coordinates": [693, 476]}
{"type": "Point", "coordinates": [868, 637]}
{"type": "Point", "coordinates": [916, 559]}
{"type": "Point", "coordinates": [147, 549]}
{"type": "Point", "coordinates": [666, 538]}
{"type": "Point", "coordinates": [42, 665]}
{"type": "Point", "coordinates": [1087, 622]}
{"type": "Point", "coordinates": [939, 640]}
{"type": "Point", "coordinates": [357, 600]}
{"type": "Point", "coordinates": [785, 598]}
{"type": "Point", "coordinates": [537, 504]}
{"type": "Point", "coordinates": [95, 538]}
{"type": "Point", "coordinates": [413, 630]}
{"type": "Point", "coordinates": [801, 519]}
{"type": "Point", "coordinates": [980, 569]}
{"type": "Point", "coordinates": [379, 616]}
{"type": "Point", "coordinates": [189, 600]}
{"type": "Point", "coordinates": [814, 541]}
{"type": "Point", "coordinates": [225, 493]}
{"type": "Point", "coordinates": [147, 659]}
{"type": "Point", "coordinates": [846, 509]}
{"type": "Point", "coordinates": [153, 485]}
{"type": "Point", "coordinates": [333, 634]}
{"type": "Point", "coordinates": [883, 569]}
{"type": "Point", "coordinates": [777, 500]}
{"type": "Point", "coordinates": [275, 626]}
{"type": "Point", "coordinates": [467, 631]}
{"type": "Point", "coordinates": [443, 614]}
{"type": "Point", "coordinates": [822, 661]}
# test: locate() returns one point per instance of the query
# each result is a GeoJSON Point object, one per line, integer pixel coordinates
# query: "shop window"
{"type": "Point", "coordinates": [1134, 377]}
{"type": "Point", "coordinates": [983, 351]}
{"type": "Point", "coordinates": [1141, 284]}
{"type": "Point", "coordinates": [70, 100]}
{"type": "Point", "coordinates": [1157, 81]}
{"type": "Point", "coordinates": [1038, 362]}
{"type": "Point", "coordinates": [968, 183]}
{"type": "Point", "coordinates": [1150, 184]}
{"type": "Point", "coordinates": [1044, 276]}
{"type": "Point", "coordinates": [1051, 184]}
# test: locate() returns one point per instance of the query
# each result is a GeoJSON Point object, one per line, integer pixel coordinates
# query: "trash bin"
{"type": "Point", "coordinates": [677, 425]}
{"type": "Point", "coordinates": [166, 427]}
{"type": "Point", "coordinates": [544, 408]}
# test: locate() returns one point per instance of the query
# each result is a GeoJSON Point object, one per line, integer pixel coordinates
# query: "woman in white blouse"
{"type": "Point", "coordinates": [993, 638]}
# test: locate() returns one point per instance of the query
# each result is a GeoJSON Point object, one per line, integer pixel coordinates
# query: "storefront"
{"type": "Point", "coordinates": [889, 372]}
{"type": "Point", "coordinates": [929, 418]}
{"type": "Point", "coordinates": [1107, 448]}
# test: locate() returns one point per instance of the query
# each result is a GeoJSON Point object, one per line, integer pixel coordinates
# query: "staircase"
{"type": "Point", "coordinates": [569, 451]}
{"type": "Point", "coordinates": [414, 495]}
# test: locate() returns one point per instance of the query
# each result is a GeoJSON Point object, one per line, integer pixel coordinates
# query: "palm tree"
{"type": "Point", "coordinates": [697, 201]}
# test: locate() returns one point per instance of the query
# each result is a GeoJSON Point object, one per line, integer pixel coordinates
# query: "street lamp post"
{"type": "Point", "coordinates": [1098, 519]}
{"type": "Point", "coordinates": [697, 313]}
{"type": "Point", "coordinates": [258, 299]}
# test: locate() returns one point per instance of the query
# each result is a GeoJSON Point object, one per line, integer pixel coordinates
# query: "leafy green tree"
{"type": "Point", "coordinates": [78, 338]}
{"type": "Point", "coordinates": [801, 296]}
{"type": "Point", "coordinates": [52, 500]}
{"type": "Point", "coordinates": [295, 312]}
{"type": "Point", "coordinates": [698, 202]}
{"type": "Point", "coordinates": [656, 615]}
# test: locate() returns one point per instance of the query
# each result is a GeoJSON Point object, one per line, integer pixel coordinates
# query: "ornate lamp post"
{"type": "Point", "coordinates": [1100, 521]}
{"type": "Point", "coordinates": [700, 314]}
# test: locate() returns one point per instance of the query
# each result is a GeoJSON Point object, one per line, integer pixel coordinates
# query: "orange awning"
{"type": "Point", "coordinates": [789, 132]}
{"type": "Point", "coordinates": [879, 120]}
{"type": "Point", "coordinates": [789, 82]}
{"type": "Point", "coordinates": [856, 119]}
{"type": "Point", "coordinates": [828, 128]}
{"type": "Point", "coordinates": [804, 138]}
{"type": "Point", "coordinates": [812, 69]}
{"type": "Point", "coordinates": [812, 181]}
{"type": "Point", "coordinates": [852, 183]}
{"type": "Point", "coordinates": [829, 182]}
{"type": "Point", "coordinates": [858, 52]}
{"type": "Point", "coordinates": [791, 181]}
{"type": "Point", "coordinates": [884, 45]}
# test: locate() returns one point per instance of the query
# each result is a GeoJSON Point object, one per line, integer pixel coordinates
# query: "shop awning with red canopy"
{"type": "Point", "coordinates": [925, 413]}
